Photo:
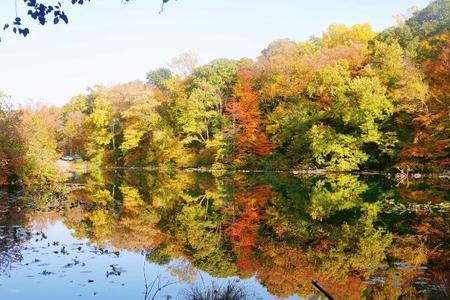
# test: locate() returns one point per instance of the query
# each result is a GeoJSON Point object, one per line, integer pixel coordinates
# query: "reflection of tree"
{"type": "Point", "coordinates": [335, 193]}
{"type": "Point", "coordinates": [316, 244]}
{"type": "Point", "coordinates": [243, 228]}
{"type": "Point", "coordinates": [420, 226]}
{"type": "Point", "coordinates": [184, 270]}
{"type": "Point", "coordinates": [11, 247]}
{"type": "Point", "coordinates": [12, 237]}
{"type": "Point", "coordinates": [425, 191]}
{"type": "Point", "coordinates": [286, 270]}
{"type": "Point", "coordinates": [115, 215]}
{"type": "Point", "coordinates": [176, 216]}
{"type": "Point", "coordinates": [193, 224]}
{"type": "Point", "coordinates": [356, 247]}
{"type": "Point", "coordinates": [285, 231]}
{"type": "Point", "coordinates": [348, 249]}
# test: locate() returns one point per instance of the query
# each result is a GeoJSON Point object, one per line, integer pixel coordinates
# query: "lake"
{"type": "Point", "coordinates": [148, 235]}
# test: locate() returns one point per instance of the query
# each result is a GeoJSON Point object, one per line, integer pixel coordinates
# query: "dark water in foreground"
{"type": "Point", "coordinates": [116, 236]}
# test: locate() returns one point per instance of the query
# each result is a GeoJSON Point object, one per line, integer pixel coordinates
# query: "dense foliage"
{"type": "Point", "coordinates": [352, 99]}
{"type": "Point", "coordinates": [11, 146]}
{"type": "Point", "coordinates": [28, 145]}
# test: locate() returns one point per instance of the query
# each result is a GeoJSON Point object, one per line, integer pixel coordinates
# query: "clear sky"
{"type": "Point", "coordinates": [107, 42]}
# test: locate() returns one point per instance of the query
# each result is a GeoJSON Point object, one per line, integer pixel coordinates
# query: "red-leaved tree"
{"type": "Point", "coordinates": [243, 110]}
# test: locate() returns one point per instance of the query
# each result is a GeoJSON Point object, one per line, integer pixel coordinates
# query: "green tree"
{"type": "Point", "coordinates": [157, 77]}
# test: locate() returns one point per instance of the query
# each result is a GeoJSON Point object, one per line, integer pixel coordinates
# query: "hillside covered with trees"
{"type": "Point", "coordinates": [352, 99]}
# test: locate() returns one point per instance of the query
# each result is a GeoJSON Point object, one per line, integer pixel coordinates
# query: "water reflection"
{"type": "Point", "coordinates": [358, 236]}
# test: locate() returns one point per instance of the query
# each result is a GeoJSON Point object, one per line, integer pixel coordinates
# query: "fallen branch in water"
{"type": "Point", "coordinates": [322, 289]}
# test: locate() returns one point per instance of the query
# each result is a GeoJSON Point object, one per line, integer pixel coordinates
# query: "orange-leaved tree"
{"type": "Point", "coordinates": [248, 127]}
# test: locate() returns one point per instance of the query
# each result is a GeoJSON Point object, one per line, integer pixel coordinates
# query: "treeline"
{"type": "Point", "coordinates": [352, 99]}
{"type": "Point", "coordinates": [28, 144]}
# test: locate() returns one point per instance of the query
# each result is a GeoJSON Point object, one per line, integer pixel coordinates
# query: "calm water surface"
{"type": "Point", "coordinates": [118, 236]}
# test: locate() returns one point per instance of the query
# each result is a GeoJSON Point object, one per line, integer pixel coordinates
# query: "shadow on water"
{"type": "Point", "coordinates": [246, 236]}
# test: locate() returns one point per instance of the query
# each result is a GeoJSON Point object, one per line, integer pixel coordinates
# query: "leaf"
{"type": "Point", "coordinates": [63, 16]}
{"type": "Point", "coordinates": [17, 21]}
{"type": "Point", "coordinates": [24, 32]}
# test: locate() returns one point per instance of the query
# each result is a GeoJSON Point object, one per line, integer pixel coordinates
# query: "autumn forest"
{"type": "Point", "coordinates": [350, 100]}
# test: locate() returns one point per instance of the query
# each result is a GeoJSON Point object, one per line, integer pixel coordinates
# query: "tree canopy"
{"type": "Point", "coordinates": [351, 99]}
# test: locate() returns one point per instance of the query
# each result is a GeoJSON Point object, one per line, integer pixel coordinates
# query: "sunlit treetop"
{"type": "Point", "coordinates": [45, 13]}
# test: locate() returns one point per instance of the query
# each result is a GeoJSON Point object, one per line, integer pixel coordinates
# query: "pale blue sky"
{"type": "Point", "coordinates": [107, 43]}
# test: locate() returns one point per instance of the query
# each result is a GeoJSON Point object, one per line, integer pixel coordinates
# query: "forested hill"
{"type": "Point", "coordinates": [352, 99]}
